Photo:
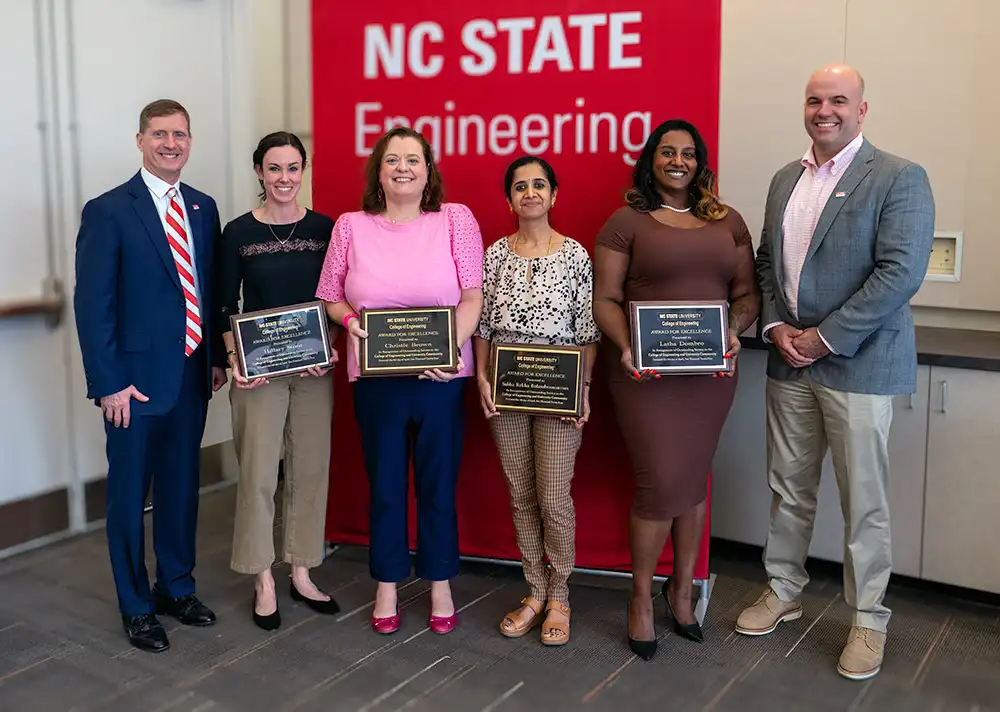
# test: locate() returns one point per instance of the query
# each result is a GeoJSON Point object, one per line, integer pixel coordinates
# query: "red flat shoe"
{"type": "Point", "coordinates": [443, 624]}
{"type": "Point", "coordinates": [387, 625]}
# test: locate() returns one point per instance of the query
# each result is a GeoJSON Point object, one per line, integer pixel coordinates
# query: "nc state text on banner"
{"type": "Point", "coordinates": [574, 43]}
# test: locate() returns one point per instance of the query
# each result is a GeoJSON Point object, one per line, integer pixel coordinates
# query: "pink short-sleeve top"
{"type": "Point", "coordinates": [373, 263]}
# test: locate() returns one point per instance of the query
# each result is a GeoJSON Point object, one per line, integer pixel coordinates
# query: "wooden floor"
{"type": "Point", "coordinates": [62, 646]}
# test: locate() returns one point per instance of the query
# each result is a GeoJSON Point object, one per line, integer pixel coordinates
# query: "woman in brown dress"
{"type": "Point", "coordinates": [675, 240]}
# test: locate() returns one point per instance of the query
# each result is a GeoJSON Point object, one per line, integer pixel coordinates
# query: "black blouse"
{"type": "Point", "coordinates": [275, 265]}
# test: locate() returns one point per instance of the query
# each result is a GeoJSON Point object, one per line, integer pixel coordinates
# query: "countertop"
{"type": "Point", "coordinates": [951, 348]}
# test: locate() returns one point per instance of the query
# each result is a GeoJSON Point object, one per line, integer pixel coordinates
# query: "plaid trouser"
{"type": "Point", "coordinates": [537, 454]}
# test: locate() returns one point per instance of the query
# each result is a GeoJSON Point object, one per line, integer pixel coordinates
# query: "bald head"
{"type": "Point", "coordinates": [844, 73]}
{"type": "Point", "coordinates": [835, 108]}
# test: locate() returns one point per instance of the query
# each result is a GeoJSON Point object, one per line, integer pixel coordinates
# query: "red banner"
{"type": "Point", "coordinates": [581, 83]}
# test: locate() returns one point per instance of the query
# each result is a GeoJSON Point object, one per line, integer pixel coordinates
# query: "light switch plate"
{"type": "Point", "coordinates": [946, 258]}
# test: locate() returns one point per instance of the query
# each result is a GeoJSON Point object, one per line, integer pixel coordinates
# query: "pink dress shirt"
{"type": "Point", "coordinates": [375, 264]}
{"type": "Point", "coordinates": [802, 213]}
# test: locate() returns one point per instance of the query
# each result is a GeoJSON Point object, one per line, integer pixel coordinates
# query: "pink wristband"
{"type": "Point", "coordinates": [350, 316]}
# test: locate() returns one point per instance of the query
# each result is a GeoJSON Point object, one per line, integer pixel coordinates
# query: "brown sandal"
{"type": "Point", "coordinates": [510, 627]}
{"type": "Point", "coordinates": [555, 632]}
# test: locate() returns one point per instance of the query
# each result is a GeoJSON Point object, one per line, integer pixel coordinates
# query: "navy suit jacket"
{"type": "Point", "coordinates": [130, 311]}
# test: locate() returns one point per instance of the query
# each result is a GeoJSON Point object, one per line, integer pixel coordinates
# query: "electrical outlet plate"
{"type": "Point", "coordinates": [946, 258]}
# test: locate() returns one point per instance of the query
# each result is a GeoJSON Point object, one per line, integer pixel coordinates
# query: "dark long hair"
{"type": "Point", "coordinates": [276, 140]}
{"type": "Point", "coordinates": [702, 197]}
{"type": "Point", "coordinates": [373, 200]}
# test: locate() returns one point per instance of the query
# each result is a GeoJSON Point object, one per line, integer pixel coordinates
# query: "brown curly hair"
{"type": "Point", "coordinates": [373, 200]}
{"type": "Point", "coordinates": [702, 192]}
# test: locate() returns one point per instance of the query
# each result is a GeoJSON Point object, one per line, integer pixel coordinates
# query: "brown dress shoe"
{"type": "Point", "coordinates": [862, 656]}
{"type": "Point", "coordinates": [766, 613]}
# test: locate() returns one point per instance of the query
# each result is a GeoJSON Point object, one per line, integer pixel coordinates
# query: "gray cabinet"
{"type": "Point", "coordinates": [741, 498]}
{"type": "Point", "coordinates": [944, 482]}
{"type": "Point", "coordinates": [963, 479]}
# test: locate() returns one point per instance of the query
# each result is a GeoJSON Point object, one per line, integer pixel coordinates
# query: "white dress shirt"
{"type": "Point", "coordinates": [158, 189]}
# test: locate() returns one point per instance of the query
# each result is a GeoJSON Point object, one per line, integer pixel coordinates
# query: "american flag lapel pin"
{"type": "Point", "coordinates": [195, 206]}
{"type": "Point", "coordinates": [838, 194]}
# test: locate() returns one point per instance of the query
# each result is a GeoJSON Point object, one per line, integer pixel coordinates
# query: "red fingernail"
{"type": "Point", "coordinates": [636, 374]}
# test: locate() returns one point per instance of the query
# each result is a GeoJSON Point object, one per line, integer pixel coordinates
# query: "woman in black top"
{"type": "Point", "coordinates": [275, 254]}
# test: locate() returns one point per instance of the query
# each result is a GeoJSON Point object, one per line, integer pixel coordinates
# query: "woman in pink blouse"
{"type": "Point", "coordinates": [408, 249]}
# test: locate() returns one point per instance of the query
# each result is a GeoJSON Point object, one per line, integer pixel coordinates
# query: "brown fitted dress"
{"type": "Point", "coordinates": [671, 425]}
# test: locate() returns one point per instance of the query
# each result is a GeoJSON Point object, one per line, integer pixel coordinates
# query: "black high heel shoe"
{"type": "Point", "coordinates": [327, 608]}
{"type": "Point", "coordinates": [272, 621]}
{"type": "Point", "coordinates": [691, 631]}
{"type": "Point", "coordinates": [645, 649]}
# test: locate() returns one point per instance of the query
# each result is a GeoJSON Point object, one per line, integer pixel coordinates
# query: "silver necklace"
{"type": "Point", "coordinates": [676, 210]}
{"type": "Point", "coordinates": [275, 235]}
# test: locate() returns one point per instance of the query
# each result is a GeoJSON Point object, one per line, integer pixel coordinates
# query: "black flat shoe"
{"type": "Point", "coordinates": [691, 631]}
{"type": "Point", "coordinates": [272, 621]}
{"type": "Point", "coordinates": [187, 609]}
{"type": "Point", "coordinates": [146, 633]}
{"type": "Point", "coordinates": [645, 649]}
{"type": "Point", "coordinates": [327, 608]}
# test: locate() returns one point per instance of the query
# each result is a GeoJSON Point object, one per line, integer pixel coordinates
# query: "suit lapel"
{"type": "Point", "coordinates": [860, 167]}
{"type": "Point", "coordinates": [142, 203]}
{"type": "Point", "coordinates": [197, 233]}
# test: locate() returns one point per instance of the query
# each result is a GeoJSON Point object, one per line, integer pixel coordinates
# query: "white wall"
{"type": "Point", "coordinates": [34, 421]}
{"type": "Point", "coordinates": [769, 48]}
{"type": "Point", "coordinates": [283, 76]}
{"type": "Point", "coordinates": [85, 76]}
{"type": "Point", "coordinates": [83, 73]}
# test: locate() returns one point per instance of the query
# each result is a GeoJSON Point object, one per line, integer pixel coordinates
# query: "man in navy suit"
{"type": "Point", "coordinates": [142, 302]}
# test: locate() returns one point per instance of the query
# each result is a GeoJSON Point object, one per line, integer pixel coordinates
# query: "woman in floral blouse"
{"type": "Point", "coordinates": [537, 289]}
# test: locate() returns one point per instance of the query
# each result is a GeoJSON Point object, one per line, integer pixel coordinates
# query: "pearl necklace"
{"type": "Point", "coordinates": [676, 210]}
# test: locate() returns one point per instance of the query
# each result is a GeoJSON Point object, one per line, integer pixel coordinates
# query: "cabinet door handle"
{"type": "Point", "coordinates": [944, 396]}
{"type": "Point", "coordinates": [909, 401]}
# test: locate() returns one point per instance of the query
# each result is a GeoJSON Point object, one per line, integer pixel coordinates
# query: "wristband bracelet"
{"type": "Point", "coordinates": [350, 316]}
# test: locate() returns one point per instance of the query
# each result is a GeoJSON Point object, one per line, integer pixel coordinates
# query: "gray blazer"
{"type": "Point", "coordinates": [867, 258]}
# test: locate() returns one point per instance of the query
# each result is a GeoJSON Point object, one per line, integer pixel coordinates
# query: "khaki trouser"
{"type": "Point", "coordinates": [804, 419]}
{"type": "Point", "coordinates": [538, 454]}
{"type": "Point", "coordinates": [294, 412]}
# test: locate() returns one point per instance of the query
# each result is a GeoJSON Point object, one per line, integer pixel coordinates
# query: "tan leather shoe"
{"type": "Point", "coordinates": [555, 631]}
{"type": "Point", "coordinates": [514, 626]}
{"type": "Point", "coordinates": [766, 613]}
{"type": "Point", "coordinates": [862, 656]}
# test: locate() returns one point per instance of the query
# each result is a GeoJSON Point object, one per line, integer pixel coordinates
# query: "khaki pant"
{"type": "Point", "coordinates": [804, 419]}
{"type": "Point", "coordinates": [538, 454]}
{"type": "Point", "coordinates": [294, 412]}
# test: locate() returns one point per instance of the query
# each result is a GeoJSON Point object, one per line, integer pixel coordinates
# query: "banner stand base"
{"type": "Point", "coordinates": [704, 585]}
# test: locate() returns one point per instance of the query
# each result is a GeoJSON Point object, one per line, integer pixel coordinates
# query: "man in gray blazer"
{"type": "Point", "coordinates": [847, 236]}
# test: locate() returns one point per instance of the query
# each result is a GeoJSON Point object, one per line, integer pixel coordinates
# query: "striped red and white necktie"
{"type": "Point", "coordinates": [181, 250]}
